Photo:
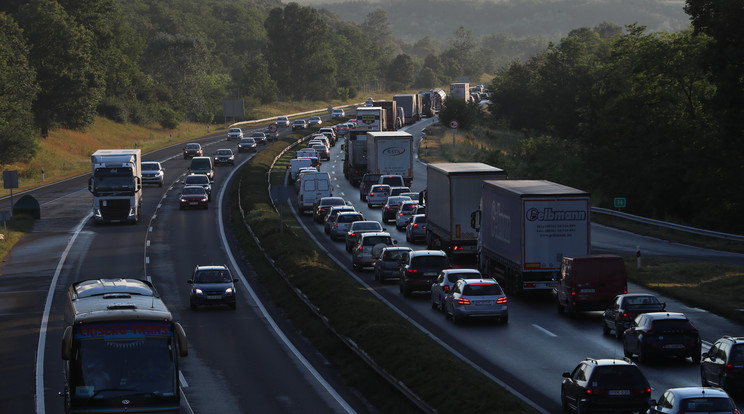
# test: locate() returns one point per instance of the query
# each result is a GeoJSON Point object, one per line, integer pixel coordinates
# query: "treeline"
{"type": "Point", "coordinates": [657, 118]}
{"type": "Point", "coordinates": [140, 61]}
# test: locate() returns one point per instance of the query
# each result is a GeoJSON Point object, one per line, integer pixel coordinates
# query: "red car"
{"type": "Point", "coordinates": [193, 196]}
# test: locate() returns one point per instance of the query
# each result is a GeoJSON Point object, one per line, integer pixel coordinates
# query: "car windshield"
{"type": "Point", "coordinates": [393, 255]}
{"type": "Point", "coordinates": [193, 190]}
{"type": "Point", "coordinates": [192, 146]}
{"type": "Point", "coordinates": [641, 300]}
{"type": "Point", "coordinates": [348, 218]}
{"type": "Point", "coordinates": [212, 276]}
{"type": "Point", "coordinates": [618, 376]}
{"type": "Point", "coordinates": [333, 202]}
{"type": "Point", "coordinates": [257, 134]}
{"type": "Point", "coordinates": [224, 152]}
{"type": "Point", "coordinates": [197, 179]}
{"type": "Point", "coordinates": [150, 167]}
{"type": "Point", "coordinates": [234, 130]}
{"type": "Point", "coordinates": [705, 405]}
{"type": "Point", "coordinates": [482, 289]}
{"type": "Point", "coordinates": [247, 141]}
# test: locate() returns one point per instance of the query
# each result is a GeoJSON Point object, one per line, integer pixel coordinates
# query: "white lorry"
{"type": "Point", "coordinates": [453, 192]}
{"type": "Point", "coordinates": [460, 90]}
{"type": "Point", "coordinates": [526, 227]}
{"type": "Point", "coordinates": [390, 153]}
{"type": "Point", "coordinates": [116, 185]}
{"type": "Point", "coordinates": [368, 119]}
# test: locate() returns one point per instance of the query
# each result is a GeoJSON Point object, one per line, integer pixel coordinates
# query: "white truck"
{"type": "Point", "coordinates": [368, 119]}
{"type": "Point", "coordinates": [453, 192]}
{"type": "Point", "coordinates": [390, 152]}
{"type": "Point", "coordinates": [116, 185]}
{"type": "Point", "coordinates": [460, 90]}
{"type": "Point", "coordinates": [526, 227]}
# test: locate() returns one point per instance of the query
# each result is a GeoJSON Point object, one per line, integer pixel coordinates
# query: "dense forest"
{"type": "Point", "coordinates": [654, 116]}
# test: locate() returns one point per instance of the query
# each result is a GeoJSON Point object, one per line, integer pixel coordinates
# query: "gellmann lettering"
{"type": "Point", "coordinates": [549, 214]}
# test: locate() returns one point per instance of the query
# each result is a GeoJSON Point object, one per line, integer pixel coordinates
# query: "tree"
{"type": "Point", "coordinates": [62, 54]}
{"type": "Point", "coordinates": [401, 73]}
{"type": "Point", "coordinates": [18, 90]}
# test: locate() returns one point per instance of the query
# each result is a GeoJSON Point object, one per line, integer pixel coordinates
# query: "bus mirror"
{"type": "Point", "coordinates": [67, 344]}
{"type": "Point", "coordinates": [183, 346]}
{"type": "Point", "coordinates": [475, 220]}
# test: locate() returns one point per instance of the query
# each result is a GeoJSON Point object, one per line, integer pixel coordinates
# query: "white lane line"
{"type": "Point", "coordinates": [547, 332]}
{"type": "Point", "coordinates": [40, 407]}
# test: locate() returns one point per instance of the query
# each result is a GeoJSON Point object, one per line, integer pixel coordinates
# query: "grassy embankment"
{"type": "Point", "coordinates": [714, 287]}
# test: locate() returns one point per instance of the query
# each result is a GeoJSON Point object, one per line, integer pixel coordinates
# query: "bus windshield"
{"type": "Point", "coordinates": [115, 360]}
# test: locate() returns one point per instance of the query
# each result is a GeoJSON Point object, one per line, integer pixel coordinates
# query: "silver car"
{"type": "Point", "coordinates": [693, 400]}
{"type": "Point", "coordinates": [378, 195]}
{"type": "Point", "coordinates": [330, 217]}
{"type": "Point", "coordinates": [476, 298]}
{"type": "Point", "coordinates": [416, 228]}
{"type": "Point", "coordinates": [153, 172]}
{"type": "Point", "coordinates": [405, 211]}
{"type": "Point", "coordinates": [341, 223]}
{"type": "Point", "coordinates": [358, 227]}
{"type": "Point", "coordinates": [362, 254]}
{"type": "Point", "coordinates": [444, 282]}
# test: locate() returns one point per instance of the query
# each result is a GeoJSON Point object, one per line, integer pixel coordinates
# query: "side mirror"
{"type": "Point", "coordinates": [183, 346]}
{"type": "Point", "coordinates": [190, 282]}
{"type": "Point", "coordinates": [566, 374]}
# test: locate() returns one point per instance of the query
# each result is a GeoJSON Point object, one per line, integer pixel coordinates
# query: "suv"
{"type": "Point", "coordinates": [334, 211]}
{"type": "Point", "coordinates": [212, 285]}
{"type": "Point", "coordinates": [605, 384]}
{"type": "Point", "coordinates": [405, 211]}
{"type": "Point", "coordinates": [476, 298]}
{"type": "Point", "coordinates": [662, 334]}
{"type": "Point", "coordinates": [340, 224]}
{"type": "Point", "coordinates": [282, 121]}
{"type": "Point", "coordinates": [362, 254]}
{"type": "Point", "coordinates": [418, 270]}
{"type": "Point", "coordinates": [192, 150]}
{"type": "Point", "coordinates": [299, 124]}
{"type": "Point", "coordinates": [356, 228]}
{"type": "Point", "coordinates": [723, 365]}
{"type": "Point", "coordinates": [368, 180]}
{"type": "Point", "coordinates": [153, 172]}
{"type": "Point", "coordinates": [444, 282]}
{"type": "Point", "coordinates": [387, 262]}
{"type": "Point", "coordinates": [625, 308]}
{"type": "Point", "coordinates": [338, 113]}
{"type": "Point", "coordinates": [378, 195]}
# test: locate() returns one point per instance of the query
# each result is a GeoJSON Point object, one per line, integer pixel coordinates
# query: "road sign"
{"type": "Point", "coordinates": [273, 127]}
{"type": "Point", "coordinates": [619, 202]}
{"type": "Point", "coordinates": [454, 124]}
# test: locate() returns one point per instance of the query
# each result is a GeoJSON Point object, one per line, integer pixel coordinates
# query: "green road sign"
{"type": "Point", "coordinates": [619, 202]}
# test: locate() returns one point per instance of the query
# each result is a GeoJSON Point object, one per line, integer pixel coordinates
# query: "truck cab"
{"type": "Point", "coordinates": [589, 283]}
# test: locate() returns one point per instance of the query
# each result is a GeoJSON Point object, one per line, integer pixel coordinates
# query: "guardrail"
{"type": "Point", "coordinates": [665, 224]}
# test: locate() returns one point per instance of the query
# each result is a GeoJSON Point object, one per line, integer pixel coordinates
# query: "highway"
{"type": "Point", "coordinates": [238, 361]}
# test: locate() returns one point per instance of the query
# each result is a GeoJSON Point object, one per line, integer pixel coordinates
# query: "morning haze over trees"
{"type": "Point", "coordinates": [649, 110]}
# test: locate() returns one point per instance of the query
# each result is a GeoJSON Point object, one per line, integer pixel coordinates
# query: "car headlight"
{"type": "Point", "coordinates": [229, 291]}
{"type": "Point", "coordinates": [198, 291]}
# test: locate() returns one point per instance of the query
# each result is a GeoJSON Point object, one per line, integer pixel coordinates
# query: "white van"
{"type": "Point", "coordinates": [296, 164]}
{"type": "Point", "coordinates": [313, 187]}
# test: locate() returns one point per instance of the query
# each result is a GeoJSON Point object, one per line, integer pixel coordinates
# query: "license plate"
{"type": "Point", "coordinates": [618, 392]}
{"type": "Point", "coordinates": [587, 290]}
{"type": "Point", "coordinates": [214, 297]}
{"type": "Point", "coordinates": [193, 203]}
{"type": "Point", "coordinates": [484, 302]}
{"type": "Point", "coordinates": [674, 346]}
{"type": "Point", "coordinates": [430, 274]}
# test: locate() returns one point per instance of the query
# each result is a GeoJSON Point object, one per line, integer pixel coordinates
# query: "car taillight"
{"type": "Point", "coordinates": [361, 248]}
{"type": "Point", "coordinates": [401, 213]}
{"type": "Point", "coordinates": [371, 194]}
{"type": "Point", "coordinates": [412, 271]}
{"type": "Point", "coordinates": [501, 300]}
{"type": "Point", "coordinates": [456, 248]}
{"type": "Point", "coordinates": [352, 235]}
{"type": "Point", "coordinates": [445, 288]}
{"type": "Point", "coordinates": [463, 301]}
{"type": "Point", "coordinates": [414, 225]}
{"type": "Point", "coordinates": [729, 368]}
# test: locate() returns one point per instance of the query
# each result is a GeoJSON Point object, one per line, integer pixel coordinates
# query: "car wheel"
{"type": "Point", "coordinates": [161, 184]}
{"type": "Point", "coordinates": [605, 329]}
{"type": "Point", "coordinates": [377, 275]}
{"type": "Point", "coordinates": [206, 206]}
{"type": "Point", "coordinates": [408, 238]}
{"type": "Point", "coordinates": [434, 305]}
{"type": "Point", "coordinates": [354, 266]}
{"type": "Point", "coordinates": [561, 308]}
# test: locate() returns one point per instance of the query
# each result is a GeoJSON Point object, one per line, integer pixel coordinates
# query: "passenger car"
{"type": "Point", "coordinates": [476, 298]}
{"type": "Point", "coordinates": [212, 285]}
{"type": "Point", "coordinates": [368, 180]}
{"type": "Point", "coordinates": [323, 205]}
{"type": "Point", "coordinates": [298, 124]}
{"type": "Point", "coordinates": [322, 151]}
{"type": "Point", "coordinates": [405, 211]}
{"type": "Point", "coordinates": [605, 384]}
{"type": "Point", "coordinates": [392, 180]}
{"type": "Point", "coordinates": [723, 365]}
{"type": "Point", "coordinates": [416, 228]}
{"type": "Point", "coordinates": [342, 129]}
{"type": "Point", "coordinates": [362, 254]}
{"type": "Point", "coordinates": [391, 207]}
{"type": "Point", "coordinates": [625, 308]}
{"type": "Point", "coordinates": [419, 269]}
{"type": "Point", "coordinates": [330, 133]}
{"type": "Point", "coordinates": [338, 113]}
{"type": "Point", "coordinates": [341, 223]}
{"type": "Point", "coordinates": [200, 180]}
{"type": "Point", "coordinates": [331, 216]}
{"type": "Point", "coordinates": [395, 191]}
{"type": "Point", "coordinates": [387, 262]}
{"type": "Point", "coordinates": [247, 144]}
{"type": "Point", "coordinates": [378, 195]}
{"type": "Point", "coordinates": [358, 227]}
{"type": "Point", "coordinates": [282, 121]}
{"type": "Point", "coordinates": [314, 120]}
{"type": "Point", "coordinates": [234, 133]}
{"type": "Point", "coordinates": [153, 172]}
{"type": "Point", "coordinates": [224, 156]}
{"type": "Point", "coordinates": [272, 136]}
{"type": "Point", "coordinates": [259, 137]}
{"type": "Point", "coordinates": [693, 400]}
{"type": "Point", "coordinates": [193, 196]}
{"type": "Point", "coordinates": [191, 150]}
{"type": "Point", "coordinates": [660, 334]}
{"type": "Point", "coordinates": [444, 282]}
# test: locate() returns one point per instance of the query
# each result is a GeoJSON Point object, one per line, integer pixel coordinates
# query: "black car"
{"type": "Point", "coordinates": [224, 156]}
{"type": "Point", "coordinates": [605, 385]}
{"type": "Point", "coordinates": [662, 334]}
{"type": "Point", "coordinates": [324, 206]}
{"type": "Point", "coordinates": [387, 262]}
{"type": "Point", "coordinates": [419, 269]}
{"type": "Point", "coordinates": [259, 137]}
{"type": "Point", "coordinates": [723, 365]}
{"type": "Point", "coordinates": [192, 150]}
{"type": "Point", "coordinates": [368, 180]}
{"type": "Point", "coordinates": [247, 144]}
{"type": "Point", "coordinates": [212, 285]}
{"type": "Point", "coordinates": [625, 308]}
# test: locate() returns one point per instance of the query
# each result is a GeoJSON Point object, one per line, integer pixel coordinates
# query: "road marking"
{"type": "Point", "coordinates": [547, 332]}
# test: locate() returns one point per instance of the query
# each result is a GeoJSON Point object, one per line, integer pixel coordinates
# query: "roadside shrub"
{"type": "Point", "coordinates": [169, 119]}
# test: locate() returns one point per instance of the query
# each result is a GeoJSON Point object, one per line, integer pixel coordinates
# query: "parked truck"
{"type": "Point", "coordinates": [453, 192]}
{"type": "Point", "coordinates": [116, 184]}
{"type": "Point", "coordinates": [526, 227]}
{"type": "Point", "coordinates": [390, 152]}
{"type": "Point", "coordinates": [460, 90]}
{"type": "Point", "coordinates": [411, 106]}
{"type": "Point", "coordinates": [392, 121]}
{"type": "Point", "coordinates": [369, 119]}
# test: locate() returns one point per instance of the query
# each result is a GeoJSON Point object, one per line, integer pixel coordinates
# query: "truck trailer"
{"type": "Point", "coordinates": [453, 192]}
{"type": "Point", "coordinates": [526, 227]}
{"type": "Point", "coordinates": [369, 119]}
{"type": "Point", "coordinates": [460, 90]}
{"type": "Point", "coordinates": [411, 106]}
{"type": "Point", "coordinates": [390, 152]}
{"type": "Point", "coordinates": [392, 121]}
{"type": "Point", "coordinates": [116, 185]}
